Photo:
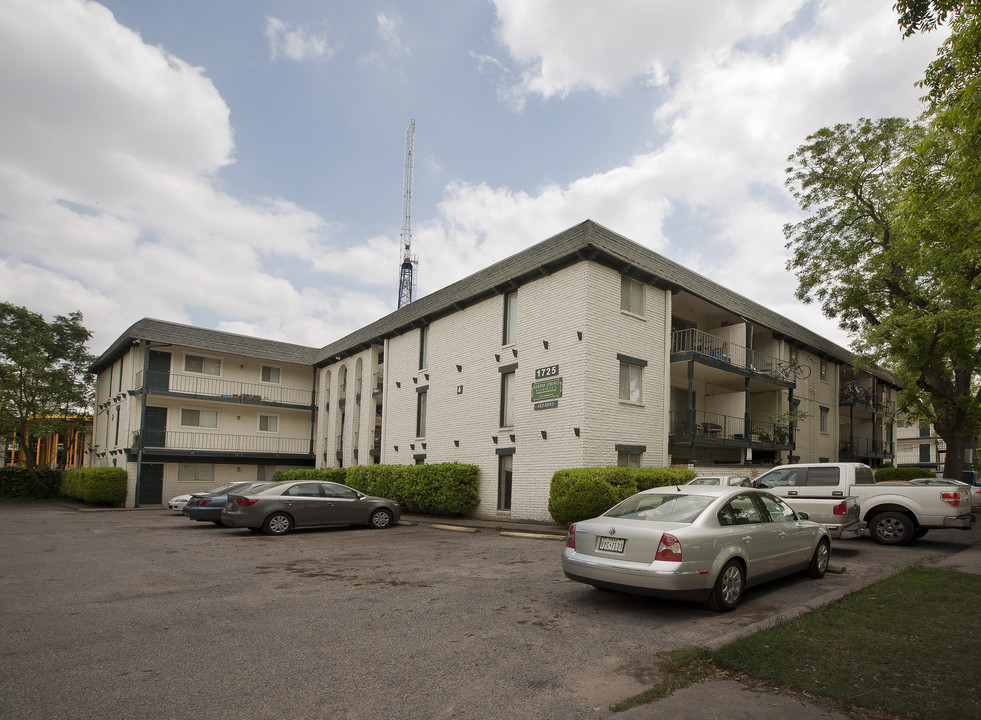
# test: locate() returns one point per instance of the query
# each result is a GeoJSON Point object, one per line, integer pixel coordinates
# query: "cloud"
{"type": "Point", "coordinates": [297, 44]}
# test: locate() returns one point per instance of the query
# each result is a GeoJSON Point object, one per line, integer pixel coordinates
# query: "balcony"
{"type": "Point", "coordinates": [165, 383]}
{"type": "Point", "coordinates": [863, 448]}
{"type": "Point", "coordinates": [715, 429]}
{"type": "Point", "coordinates": [180, 442]}
{"type": "Point", "coordinates": [721, 352]}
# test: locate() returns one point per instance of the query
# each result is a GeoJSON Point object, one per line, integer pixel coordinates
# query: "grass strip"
{"type": "Point", "coordinates": [906, 646]}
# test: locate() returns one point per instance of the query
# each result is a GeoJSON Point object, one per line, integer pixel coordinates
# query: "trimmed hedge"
{"type": "Point", "coordinates": [440, 489]}
{"type": "Point", "coordinates": [337, 475]}
{"type": "Point", "coordinates": [16, 483]}
{"type": "Point", "coordinates": [582, 493]}
{"type": "Point", "coordinates": [95, 485]}
{"type": "Point", "coordinates": [892, 474]}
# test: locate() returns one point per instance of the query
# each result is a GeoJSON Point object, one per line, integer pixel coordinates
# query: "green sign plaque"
{"type": "Point", "coordinates": [546, 389]}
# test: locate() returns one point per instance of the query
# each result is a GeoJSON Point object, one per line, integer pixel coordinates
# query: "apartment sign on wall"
{"type": "Point", "coordinates": [545, 393]}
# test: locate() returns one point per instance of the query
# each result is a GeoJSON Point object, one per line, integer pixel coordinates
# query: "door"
{"type": "Point", "coordinates": [151, 484]}
{"type": "Point", "coordinates": [155, 427]}
{"type": "Point", "coordinates": [306, 503]}
{"type": "Point", "coordinates": [158, 370]}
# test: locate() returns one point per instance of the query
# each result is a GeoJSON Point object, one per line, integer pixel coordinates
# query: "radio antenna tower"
{"type": "Point", "coordinates": [410, 262]}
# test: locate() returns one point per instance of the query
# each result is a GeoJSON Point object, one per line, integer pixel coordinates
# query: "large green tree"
{"type": "Point", "coordinates": [892, 247]}
{"type": "Point", "coordinates": [44, 380]}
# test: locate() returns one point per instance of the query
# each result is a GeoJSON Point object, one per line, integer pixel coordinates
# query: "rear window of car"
{"type": "Point", "coordinates": [705, 481]}
{"type": "Point", "coordinates": [680, 508]}
{"type": "Point", "coordinates": [864, 476]}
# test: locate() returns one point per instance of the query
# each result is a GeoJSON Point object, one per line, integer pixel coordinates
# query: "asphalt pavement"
{"type": "Point", "coordinates": [735, 700]}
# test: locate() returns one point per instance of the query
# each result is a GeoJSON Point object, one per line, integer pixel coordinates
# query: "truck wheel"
{"type": "Point", "coordinates": [920, 532]}
{"type": "Point", "coordinates": [892, 528]}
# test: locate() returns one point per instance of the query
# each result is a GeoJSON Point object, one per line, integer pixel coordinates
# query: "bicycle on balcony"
{"type": "Point", "coordinates": [790, 370]}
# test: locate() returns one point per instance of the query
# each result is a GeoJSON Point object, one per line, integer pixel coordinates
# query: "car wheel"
{"type": "Point", "coordinates": [892, 528]}
{"type": "Point", "coordinates": [819, 561]}
{"type": "Point", "coordinates": [380, 519]}
{"type": "Point", "coordinates": [728, 590]}
{"type": "Point", "coordinates": [277, 524]}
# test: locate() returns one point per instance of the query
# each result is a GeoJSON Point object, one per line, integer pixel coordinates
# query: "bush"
{"type": "Point", "coordinates": [582, 493]}
{"type": "Point", "coordinates": [337, 475]}
{"type": "Point", "coordinates": [95, 485]}
{"type": "Point", "coordinates": [892, 474]}
{"type": "Point", "coordinates": [16, 483]}
{"type": "Point", "coordinates": [440, 489]}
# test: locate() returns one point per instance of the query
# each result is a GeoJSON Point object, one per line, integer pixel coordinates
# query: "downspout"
{"type": "Point", "coordinates": [313, 417]}
{"type": "Point", "coordinates": [139, 446]}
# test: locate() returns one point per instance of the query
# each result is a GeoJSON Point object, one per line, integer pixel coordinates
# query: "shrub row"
{"type": "Point", "coordinates": [440, 489]}
{"type": "Point", "coordinates": [16, 483]}
{"type": "Point", "coordinates": [892, 474]}
{"type": "Point", "coordinates": [582, 493]}
{"type": "Point", "coordinates": [95, 485]}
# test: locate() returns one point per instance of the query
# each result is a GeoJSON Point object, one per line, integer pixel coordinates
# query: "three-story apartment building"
{"type": "Point", "coordinates": [586, 349]}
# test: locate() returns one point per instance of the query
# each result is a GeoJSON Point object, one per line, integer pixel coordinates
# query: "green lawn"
{"type": "Point", "coordinates": [908, 647]}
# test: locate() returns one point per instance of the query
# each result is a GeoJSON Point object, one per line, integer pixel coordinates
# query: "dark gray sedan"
{"type": "Point", "coordinates": [277, 508]}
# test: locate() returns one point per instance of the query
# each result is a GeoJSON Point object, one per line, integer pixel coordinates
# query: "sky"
{"type": "Point", "coordinates": [238, 164]}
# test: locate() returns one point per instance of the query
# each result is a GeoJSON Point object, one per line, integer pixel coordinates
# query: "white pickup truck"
{"type": "Point", "coordinates": [894, 514]}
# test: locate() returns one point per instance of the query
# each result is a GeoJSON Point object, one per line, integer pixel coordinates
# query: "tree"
{"type": "Point", "coordinates": [893, 250]}
{"type": "Point", "coordinates": [44, 380]}
{"type": "Point", "coordinates": [925, 15]}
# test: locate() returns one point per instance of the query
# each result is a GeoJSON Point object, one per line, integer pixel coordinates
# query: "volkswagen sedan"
{"type": "Point", "coordinates": [277, 508]}
{"type": "Point", "coordinates": [701, 543]}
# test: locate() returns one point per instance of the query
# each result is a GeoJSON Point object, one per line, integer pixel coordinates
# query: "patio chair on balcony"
{"type": "Point", "coordinates": [709, 428]}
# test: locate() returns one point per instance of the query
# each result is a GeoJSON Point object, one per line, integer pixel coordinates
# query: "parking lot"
{"type": "Point", "coordinates": [143, 613]}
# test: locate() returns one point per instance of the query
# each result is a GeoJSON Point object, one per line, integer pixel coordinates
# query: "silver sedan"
{"type": "Point", "coordinates": [277, 508]}
{"type": "Point", "coordinates": [701, 543]}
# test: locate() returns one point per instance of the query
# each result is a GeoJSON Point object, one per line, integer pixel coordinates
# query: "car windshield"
{"type": "Point", "coordinates": [678, 507]}
{"type": "Point", "coordinates": [705, 481]}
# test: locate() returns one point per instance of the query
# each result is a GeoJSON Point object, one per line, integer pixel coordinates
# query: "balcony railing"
{"type": "Point", "coordinates": [216, 442]}
{"type": "Point", "coordinates": [696, 341]}
{"type": "Point", "coordinates": [224, 389]}
{"type": "Point", "coordinates": [863, 447]}
{"type": "Point", "coordinates": [715, 425]}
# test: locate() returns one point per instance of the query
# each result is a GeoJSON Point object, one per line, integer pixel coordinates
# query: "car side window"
{"type": "Point", "coordinates": [778, 510]}
{"type": "Point", "coordinates": [823, 476]}
{"type": "Point", "coordinates": [304, 490]}
{"type": "Point", "coordinates": [340, 491]}
{"type": "Point", "coordinates": [780, 478]}
{"type": "Point", "coordinates": [745, 511]}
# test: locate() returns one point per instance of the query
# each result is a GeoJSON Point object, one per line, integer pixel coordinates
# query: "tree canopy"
{"type": "Point", "coordinates": [44, 380]}
{"type": "Point", "coordinates": [892, 247]}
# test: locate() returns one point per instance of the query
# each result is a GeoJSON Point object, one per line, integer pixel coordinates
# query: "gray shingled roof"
{"type": "Point", "coordinates": [161, 331]}
{"type": "Point", "coordinates": [586, 241]}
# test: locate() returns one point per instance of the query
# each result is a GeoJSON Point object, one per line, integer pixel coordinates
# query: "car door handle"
{"type": "Point", "coordinates": [791, 492]}
{"type": "Point", "coordinates": [747, 538]}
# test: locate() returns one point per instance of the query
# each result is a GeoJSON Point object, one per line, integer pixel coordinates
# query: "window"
{"type": "Point", "coordinates": [424, 347]}
{"type": "Point", "coordinates": [421, 412]}
{"type": "Point", "coordinates": [631, 379]}
{"type": "Point", "coordinates": [195, 472]}
{"type": "Point", "coordinates": [304, 490]}
{"type": "Point", "coordinates": [628, 459]}
{"type": "Point", "coordinates": [507, 399]}
{"type": "Point", "coordinates": [270, 374]}
{"type": "Point", "coordinates": [824, 369]}
{"type": "Point", "coordinates": [269, 423]}
{"type": "Point", "coordinates": [825, 415]}
{"type": "Point", "coordinates": [199, 418]}
{"type": "Point", "coordinates": [631, 295]}
{"type": "Point", "coordinates": [504, 465]}
{"type": "Point", "coordinates": [742, 511]}
{"type": "Point", "coordinates": [510, 317]}
{"type": "Point", "coordinates": [201, 364]}
{"type": "Point", "coordinates": [925, 453]}
{"type": "Point", "coordinates": [823, 476]}
{"type": "Point", "coordinates": [777, 509]}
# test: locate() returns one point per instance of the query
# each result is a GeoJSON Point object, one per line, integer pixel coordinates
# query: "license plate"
{"type": "Point", "coordinates": [611, 544]}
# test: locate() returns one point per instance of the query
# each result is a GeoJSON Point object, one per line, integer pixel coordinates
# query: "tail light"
{"type": "Point", "coordinates": [840, 509]}
{"type": "Point", "coordinates": [669, 549]}
{"type": "Point", "coordinates": [951, 498]}
{"type": "Point", "coordinates": [570, 539]}
{"type": "Point", "coordinates": [245, 502]}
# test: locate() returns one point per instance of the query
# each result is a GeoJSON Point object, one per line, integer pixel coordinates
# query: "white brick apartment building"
{"type": "Point", "coordinates": [583, 350]}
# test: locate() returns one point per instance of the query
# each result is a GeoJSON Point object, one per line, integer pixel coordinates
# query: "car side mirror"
{"type": "Point", "coordinates": [801, 515]}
